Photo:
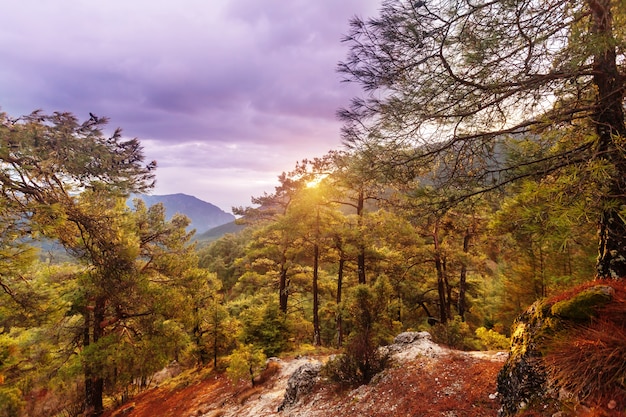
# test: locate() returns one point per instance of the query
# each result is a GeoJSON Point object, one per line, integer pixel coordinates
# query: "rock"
{"type": "Point", "coordinates": [411, 337]}
{"type": "Point", "coordinates": [170, 371]}
{"type": "Point", "coordinates": [584, 304]}
{"type": "Point", "coordinates": [300, 383]}
{"type": "Point", "coordinates": [524, 381]}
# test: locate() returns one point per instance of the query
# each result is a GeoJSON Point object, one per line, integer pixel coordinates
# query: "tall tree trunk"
{"type": "Point", "coordinates": [197, 335]}
{"type": "Point", "coordinates": [94, 384]}
{"type": "Point", "coordinates": [338, 317]}
{"type": "Point", "coordinates": [361, 255]}
{"type": "Point", "coordinates": [462, 303]}
{"type": "Point", "coordinates": [215, 333]}
{"type": "Point", "coordinates": [448, 288]}
{"type": "Point", "coordinates": [609, 121]}
{"type": "Point", "coordinates": [317, 341]}
{"type": "Point", "coordinates": [441, 279]}
{"type": "Point", "coordinates": [282, 285]}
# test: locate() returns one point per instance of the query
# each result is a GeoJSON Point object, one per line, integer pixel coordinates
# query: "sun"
{"type": "Point", "coordinates": [315, 181]}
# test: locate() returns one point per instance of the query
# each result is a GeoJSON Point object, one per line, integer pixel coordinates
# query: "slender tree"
{"type": "Point", "coordinates": [273, 208]}
{"type": "Point", "coordinates": [446, 82]}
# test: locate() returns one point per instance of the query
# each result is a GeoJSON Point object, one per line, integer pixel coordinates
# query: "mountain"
{"type": "Point", "coordinates": [217, 232]}
{"type": "Point", "coordinates": [204, 216]}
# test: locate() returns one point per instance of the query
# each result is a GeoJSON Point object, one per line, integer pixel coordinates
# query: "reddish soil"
{"type": "Point", "coordinates": [446, 383]}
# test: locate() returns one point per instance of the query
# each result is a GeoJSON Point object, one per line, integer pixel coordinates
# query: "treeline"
{"type": "Point", "coordinates": [340, 256]}
{"type": "Point", "coordinates": [484, 168]}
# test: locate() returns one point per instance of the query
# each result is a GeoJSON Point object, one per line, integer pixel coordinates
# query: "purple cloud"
{"type": "Point", "coordinates": [225, 95]}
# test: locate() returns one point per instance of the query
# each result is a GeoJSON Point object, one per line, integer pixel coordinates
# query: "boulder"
{"type": "Point", "coordinates": [411, 337]}
{"type": "Point", "coordinates": [524, 381]}
{"type": "Point", "coordinates": [300, 383]}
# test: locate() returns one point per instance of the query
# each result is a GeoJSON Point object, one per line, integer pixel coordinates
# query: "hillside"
{"type": "Point", "coordinates": [217, 232]}
{"type": "Point", "coordinates": [204, 216]}
{"type": "Point", "coordinates": [424, 379]}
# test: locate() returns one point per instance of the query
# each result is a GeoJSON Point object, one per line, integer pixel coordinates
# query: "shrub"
{"type": "Point", "coordinates": [370, 325]}
{"type": "Point", "coordinates": [11, 402]}
{"type": "Point", "coordinates": [347, 369]}
{"type": "Point", "coordinates": [492, 340]}
{"type": "Point", "coordinates": [246, 362]}
{"type": "Point", "coordinates": [456, 334]}
{"type": "Point", "coordinates": [267, 327]}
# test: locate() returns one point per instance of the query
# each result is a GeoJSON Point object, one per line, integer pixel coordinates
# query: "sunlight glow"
{"type": "Point", "coordinates": [315, 181]}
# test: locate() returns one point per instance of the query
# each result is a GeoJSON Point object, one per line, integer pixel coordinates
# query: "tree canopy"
{"type": "Point", "coordinates": [446, 83]}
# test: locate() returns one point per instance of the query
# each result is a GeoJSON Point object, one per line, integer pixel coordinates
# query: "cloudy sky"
{"type": "Point", "coordinates": [224, 94]}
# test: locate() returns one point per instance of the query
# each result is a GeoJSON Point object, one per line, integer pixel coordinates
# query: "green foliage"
{"type": "Point", "coordinates": [266, 327]}
{"type": "Point", "coordinates": [455, 333]}
{"type": "Point", "coordinates": [584, 305]}
{"type": "Point", "coordinates": [492, 340]}
{"type": "Point", "coordinates": [246, 362]}
{"type": "Point", "coordinates": [11, 402]}
{"type": "Point", "coordinates": [346, 369]}
{"type": "Point", "coordinates": [371, 328]}
{"type": "Point", "coordinates": [224, 257]}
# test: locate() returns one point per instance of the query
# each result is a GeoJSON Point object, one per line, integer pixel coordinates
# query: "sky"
{"type": "Point", "coordinates": [224, 94]}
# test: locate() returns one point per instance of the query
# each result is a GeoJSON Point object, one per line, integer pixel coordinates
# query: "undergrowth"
{"type": "Point", "coordinates": [589, 360]}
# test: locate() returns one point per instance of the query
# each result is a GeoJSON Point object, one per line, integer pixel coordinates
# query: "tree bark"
{"type": "Point", "coordinates": [282, 285]}
{"type": "Point", "coordinates": [317, 341]}
{"type": "Point", "coordinates": [609, 125]}
{"type": "Point", "coordinates": [361, 255]}
{"type": "Point", "coordinates": [441, 279]}
{"type": "Point", "coordinates": [338, 317]}
{"type": "Point", "coordinates": [94, 384]}
{"type": "Point", "coordinates": [462, 303]}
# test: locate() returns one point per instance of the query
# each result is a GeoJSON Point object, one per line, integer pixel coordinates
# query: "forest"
{"type": "Point", "coordinates": [483, 170]}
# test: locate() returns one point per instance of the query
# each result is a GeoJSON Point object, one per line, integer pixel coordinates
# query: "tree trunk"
{"type": "Point", "coordinates": [282, 285]}
{"type": "Point", "coordinates": [462, 303]}
{"type": "Point", "coordinates": [94, 384]}
{"type": "Point", "coordinates": [215, 333]}
{"type": "Point", "coordinates": [317, 341]}
{"type": "Point", "coordinates": [441, 279]}
{"type": "Point", "coordinates": [448, 289]}
{"type": "Point", "coordinates": [338, 318]}
{"type": "Point", "coordinates": [609, 124]}
{"type": "Point", "coordinates": [361, 255]}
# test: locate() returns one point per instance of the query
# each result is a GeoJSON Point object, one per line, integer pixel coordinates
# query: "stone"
{"type": "Point", "coordinates": [300, 383]}
{"type": "Point", "coordinates": [524, 381]}
{"type": "Point", "coordinates": [583, 305]}
{"type": "Point", "coordinates": [410, 337]}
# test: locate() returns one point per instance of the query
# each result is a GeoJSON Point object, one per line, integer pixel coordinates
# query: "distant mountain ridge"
{"type": "Point", "coordinates": [204, 216]}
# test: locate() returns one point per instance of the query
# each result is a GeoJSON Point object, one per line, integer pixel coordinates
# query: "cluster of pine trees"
{"type": "Point", "coordinates": [484, 157]}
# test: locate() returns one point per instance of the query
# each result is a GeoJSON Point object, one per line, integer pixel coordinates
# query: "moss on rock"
{"type": "Point", "coordinates": [524, 380]}
{"type": "Point", "coordinates": [582, 306]}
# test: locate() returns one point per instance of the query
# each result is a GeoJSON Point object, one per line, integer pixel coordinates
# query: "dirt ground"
{"type": "Point", "coordinates": [424, 380]}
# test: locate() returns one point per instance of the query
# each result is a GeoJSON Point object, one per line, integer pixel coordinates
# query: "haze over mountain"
{"type": "Point", "coordinates": [203, 215]}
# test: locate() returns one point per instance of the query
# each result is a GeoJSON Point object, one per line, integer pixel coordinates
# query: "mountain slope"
{"type": "Point", "coordinates": [219, 231]}
{"type": "Point", "coordinates": [204, 216]}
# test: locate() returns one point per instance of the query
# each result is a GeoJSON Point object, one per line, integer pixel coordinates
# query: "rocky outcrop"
{"type": "Point", "coordinates": [406, 338]}
{"type": "Point", "coordinates": [300, 383]}
{"type": "Point", "coordinates": [524, 381]}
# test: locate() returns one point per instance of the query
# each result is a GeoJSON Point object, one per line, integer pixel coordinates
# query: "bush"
{"type": "Point", "coordinates": [456, 334]}
{"type": "Point", "coordinates": [246, 362]}
{"type": "Point", "coordinates": [492, 340]}
{"type": "Point", "coordinates": [349, 370]}
{"type": "Point", "coordinates": [11, 402]}
{"type": "Point", "coordinates": [267, 327]}
{"type": "Point", "coordinates": [370, 325]}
